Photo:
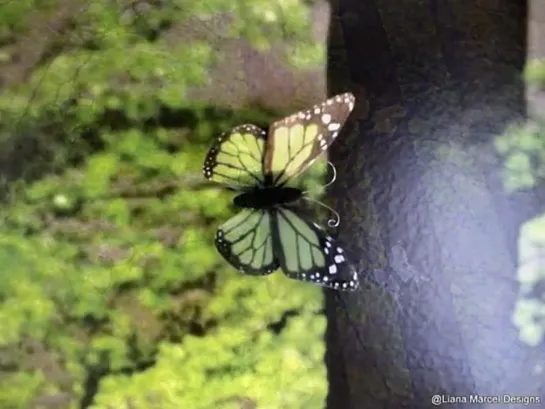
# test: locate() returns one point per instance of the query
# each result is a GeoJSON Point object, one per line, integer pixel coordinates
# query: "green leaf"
{"type": "Point", "coordinates": [99, 171]}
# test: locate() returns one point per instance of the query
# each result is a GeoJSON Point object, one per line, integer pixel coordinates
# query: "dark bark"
{"type": "Point", "coordinates": [436, 81]}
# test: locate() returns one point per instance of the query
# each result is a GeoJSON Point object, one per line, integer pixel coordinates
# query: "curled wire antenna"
{"type": "Point", "coordinates": [337, 219]}
{"type": "Point", "coordinates": [331, 222]}
{"type": "Point", "coordinates": [334, 175]}
{"type": "Point", "coordinates": [332, 179]}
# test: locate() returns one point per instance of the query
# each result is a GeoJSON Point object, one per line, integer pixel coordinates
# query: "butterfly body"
{"type": "Point", "coordinates": [269, 233]}
{"type": "Point", "coordinates": [267, 197]}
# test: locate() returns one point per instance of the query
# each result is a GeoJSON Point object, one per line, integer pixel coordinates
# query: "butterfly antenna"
{"type": "Point", "coordinates": [331, 222]}
{"type": "Point", "coordinates": [334, 178]}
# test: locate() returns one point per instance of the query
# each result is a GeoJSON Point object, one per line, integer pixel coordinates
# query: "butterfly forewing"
{"type": "Point", "coordinates": [245, 241]}
{"type": "Point", "coordinates": [306, 252]}
{"type": "Point", "coordinates": [236, 158]}
{"type": "Point", "coordinates": [295, 142]}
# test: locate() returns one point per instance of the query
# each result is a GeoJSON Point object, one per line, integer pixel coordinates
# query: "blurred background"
{"type": "Point", "coordinates": [112, 294]}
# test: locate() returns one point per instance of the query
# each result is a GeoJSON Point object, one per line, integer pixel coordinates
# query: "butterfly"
{"type": "Point", "coordinates": [270, 232]}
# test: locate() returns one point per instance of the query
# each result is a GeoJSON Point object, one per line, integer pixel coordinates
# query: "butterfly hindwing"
{"type": "Point", "coordinates": [245, 241]}
{"type": "Point", "coordinates": [306, 252]}
{"type": "Point", "coordinates": [296, 141]}
{"type": "Point", "coordinates": [236, 158]}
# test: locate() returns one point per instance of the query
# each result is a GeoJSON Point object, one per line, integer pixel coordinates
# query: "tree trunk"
{"type": "Point", "coordinates": [435, 81]}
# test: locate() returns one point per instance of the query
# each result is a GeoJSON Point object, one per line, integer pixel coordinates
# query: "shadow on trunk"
{"type": "Point", "coordinates": [436, 82]}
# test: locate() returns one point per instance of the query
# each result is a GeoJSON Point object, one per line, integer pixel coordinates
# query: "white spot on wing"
{"type": "Point", "coordinates": [326, 118]}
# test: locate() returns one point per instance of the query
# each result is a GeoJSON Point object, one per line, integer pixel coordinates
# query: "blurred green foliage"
{"type": "Point", "coordinates": [530, 311]}
{"type": "Point", "coordinates": [523, 148]}
{"type": "Point", "coordinates": [535, 72]}
{"type": "Point", "coordinates": [112, 293]}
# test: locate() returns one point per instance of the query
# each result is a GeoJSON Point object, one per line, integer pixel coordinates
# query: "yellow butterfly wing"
{"type": "Point", "coordinates": [306, 252]}
{"type": "Point", "coordinates": [236, 158]}
{"type": "Point", "coordinates": [295, 142]}
{"type": "Point", "coordinates": [245, 241]}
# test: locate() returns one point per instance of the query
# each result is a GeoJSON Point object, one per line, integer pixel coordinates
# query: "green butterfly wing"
{"type": "Point", "coordinates": [236, 158]}
{"type": "Point", "coordinates": [245, 241]}
{"type": "Point", "coordinates": [243, 157]}
{"type": "Point", "coordinates": [295, 142]}
{"type": "Point", "coordinates": [258, 242]}
{"type": "Point", "coordinates": [306, 252]}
